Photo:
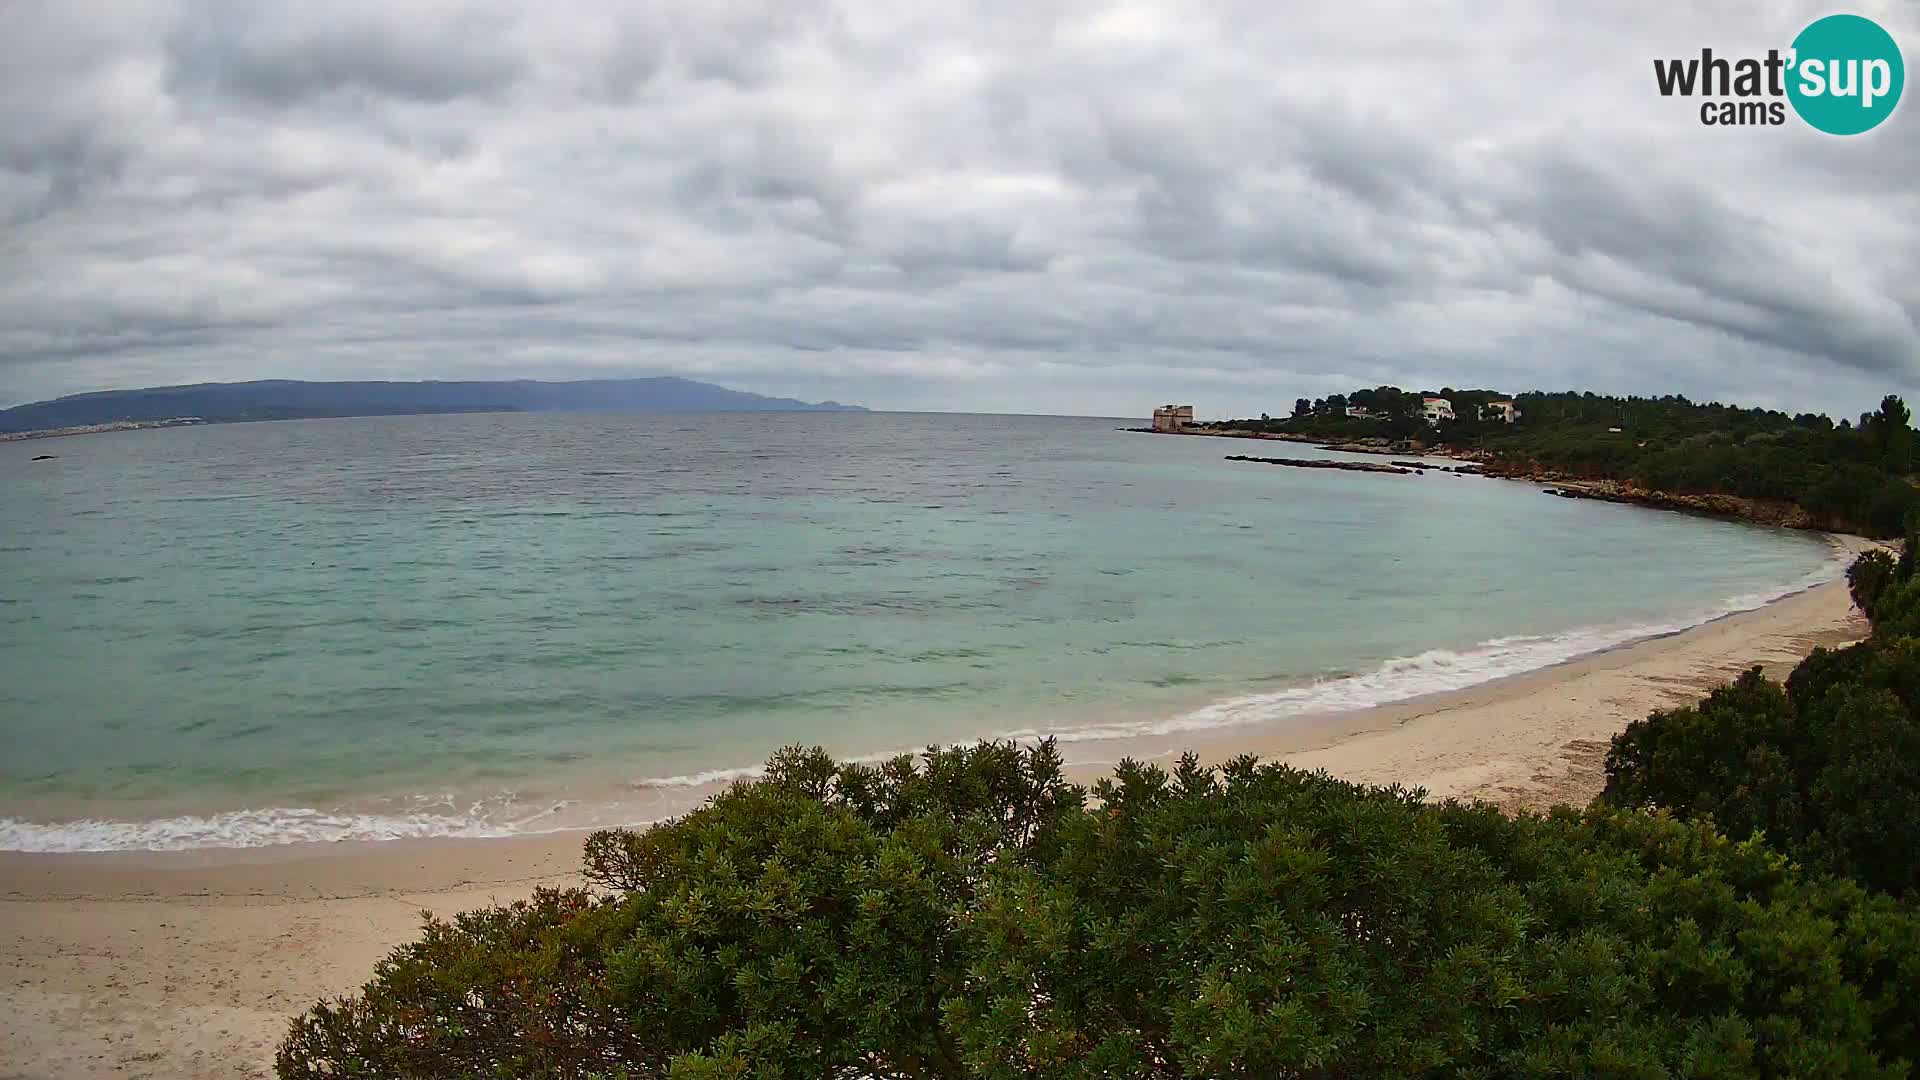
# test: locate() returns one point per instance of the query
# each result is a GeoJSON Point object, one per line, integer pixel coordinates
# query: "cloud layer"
{"type": "Point", "coordinates": [1024, 205]}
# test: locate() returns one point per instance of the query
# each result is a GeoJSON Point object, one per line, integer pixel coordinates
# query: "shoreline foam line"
{"type": "Point", "coordinates": [1436, 671]}
{"type": "Point", "coordinates": [267, 827]}
{"type": "Point", "coordinates": [1401, 679]}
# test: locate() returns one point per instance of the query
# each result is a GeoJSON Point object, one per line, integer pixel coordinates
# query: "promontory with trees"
{"type": "Point", "coordinates": [1804, 470]}
{"type": "Point", "coordinates": [1739, 902]}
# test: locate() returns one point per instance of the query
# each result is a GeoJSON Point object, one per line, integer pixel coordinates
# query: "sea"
{"type": "Point", "coordinates": [480, 625]}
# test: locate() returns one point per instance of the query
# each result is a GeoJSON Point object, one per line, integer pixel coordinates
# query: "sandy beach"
{"type": "Point", "coordinates": [189, 965]}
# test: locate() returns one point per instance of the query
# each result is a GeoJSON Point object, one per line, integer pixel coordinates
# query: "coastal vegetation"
{"type": "Point", "coordinates": [973, 914]}
{"type": "Point", "coordinates": [1738, 902]}
{"type": "Point", "coordinates": [1825, 766]}
{"type": "Point", "coordinates": [1851, 476]}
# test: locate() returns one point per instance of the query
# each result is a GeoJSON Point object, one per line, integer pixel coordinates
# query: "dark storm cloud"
{"type": "Point", "coordinates": [1058, 206]}
{"type": "Point", "coordinates": [239, 50]}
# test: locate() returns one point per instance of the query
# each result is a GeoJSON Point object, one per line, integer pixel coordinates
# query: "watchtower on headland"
{"type": "Point", "coordinates": [1173, 418]}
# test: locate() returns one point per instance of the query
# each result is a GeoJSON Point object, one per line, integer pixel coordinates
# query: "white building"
{"type": "Point", "coordinates": [1359, 412]}
{"type": "Point", "coordinates": [1502, 411]}
{"type": "Point", "coordinates": [1436, 409]}
{"type": "Point", "coordinates": [1173, 418]}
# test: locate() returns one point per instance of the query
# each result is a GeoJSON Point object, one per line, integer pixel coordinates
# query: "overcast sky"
{"type": "Point", "coordinates": [1026, 206]}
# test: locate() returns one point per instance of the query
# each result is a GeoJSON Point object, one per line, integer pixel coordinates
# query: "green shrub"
{"type": "Point", "coordinates": [973, 915]}
{"type": "Point", "coordinates": [1869, 576]}
{"type": "Point", "coordinates": [1896, 613]}
{"type": "Point", "coordinates": [513, 991]}
{"type": "Point", "coordinates": [1270, 922]}
{"type": "Point", "coordinates": [1826, 766]}
{"type": "Point", "coordinates": [807, 919]}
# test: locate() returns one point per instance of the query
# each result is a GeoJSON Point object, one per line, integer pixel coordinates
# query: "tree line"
{"type": "Point", "coordinates": [1852, 476]}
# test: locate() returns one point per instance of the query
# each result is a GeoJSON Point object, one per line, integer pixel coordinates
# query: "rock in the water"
{"type": "Point", "coordinates": [1317, 463]}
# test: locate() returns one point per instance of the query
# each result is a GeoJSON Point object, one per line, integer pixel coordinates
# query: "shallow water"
{"type": "Point", "coordinates": [472, 625]}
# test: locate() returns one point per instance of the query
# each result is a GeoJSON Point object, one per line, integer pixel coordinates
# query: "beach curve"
{"type": "Point", "coordinates": [189, 964]}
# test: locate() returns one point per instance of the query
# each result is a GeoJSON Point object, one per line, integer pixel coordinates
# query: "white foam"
{"type": "Point", "coordinates": [1432, 672]}
{"type": "Point", "coordinates": [750, 772]}
{"type": "Point", "coordinates": [702, 779]}
{"type": "Point", "coordinates": [253, 828]}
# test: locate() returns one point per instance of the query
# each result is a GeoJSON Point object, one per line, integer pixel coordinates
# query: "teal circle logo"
{"type": "Point", "coordinates": [1845, 74]}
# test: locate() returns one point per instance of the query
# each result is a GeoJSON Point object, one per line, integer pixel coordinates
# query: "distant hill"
{"type": "Point", "coordinates": [285, 399]}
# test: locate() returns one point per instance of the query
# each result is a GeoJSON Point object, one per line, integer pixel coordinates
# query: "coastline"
{"type": "Point", "coordinates": [1537, 739]}
{"type": "Point", "coordinates": [189, 964]}
{"type": "Point", "coordinates": [1719, 507]}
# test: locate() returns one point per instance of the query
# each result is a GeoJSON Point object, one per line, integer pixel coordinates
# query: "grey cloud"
{"type": "Point", "coordinates": [281, 54]}
{"type": "Point", "coordinates": [764, 174]}
{"type": "Point", "coordinates": [1686, 253]}
{"type": "Point", "coordinates": [1068, 205]}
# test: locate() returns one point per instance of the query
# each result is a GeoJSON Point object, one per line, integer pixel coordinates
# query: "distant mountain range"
{"type": "Point", "coordinates": [285, 399]}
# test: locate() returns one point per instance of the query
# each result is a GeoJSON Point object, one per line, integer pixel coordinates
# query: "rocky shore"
{"type": "Point", "coordinates": [1566, 485]}
{"type": "Point", "coordinates": [1759, 511]}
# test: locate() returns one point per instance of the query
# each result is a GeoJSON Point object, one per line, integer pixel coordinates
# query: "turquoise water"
{"type": "Point", "coordinates": [472, 625]}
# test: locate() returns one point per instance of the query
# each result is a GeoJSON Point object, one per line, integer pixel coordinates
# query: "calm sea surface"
{"type": "Point", "coordinates": [471, 625]}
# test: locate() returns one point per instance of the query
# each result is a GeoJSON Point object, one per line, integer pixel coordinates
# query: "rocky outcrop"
{"type": "Point", "coordinates": [1759, 511]}
{"type": "Point", "coordinates": [1428, 466]}
{"type": "Point", "coordinates": [1478, 462]}
{"type": "Point", "coordinates": [1378, 446]}
{"type": "Point", "coordinates": [1322, 463]}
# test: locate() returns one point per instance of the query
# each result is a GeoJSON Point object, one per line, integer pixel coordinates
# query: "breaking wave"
{"type": "Point", "coordinates": [702, 779]}
{"type": "Point", "coordinates": [1400, 679]}
{"type": "Point", "coordinates": [1432, 672]}
{"type": "Point", "coordinates": [256, 828]}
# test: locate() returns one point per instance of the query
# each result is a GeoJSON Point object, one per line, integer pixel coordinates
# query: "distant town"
{"type": "Point", "coordinates": [1433, 409]}
{"type": "Point", "coordinates": [94, 429]}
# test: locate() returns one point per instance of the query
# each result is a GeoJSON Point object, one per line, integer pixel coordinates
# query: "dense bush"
{"type": "Point", "coordinates": [1827, 766]}
{"type": "Point", "coordinates": [1271, 923]}
{"type": "Point", "coordinates": [1869, 577]}
{"type": "Point", "coordinates": [973, 915]}
{"type": "Point", "coordinates": [1894, 600]}
{"type": "Point", "coordinates": [805, 920]}
{"type": "Point", "coordinates": [1897, 613]}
